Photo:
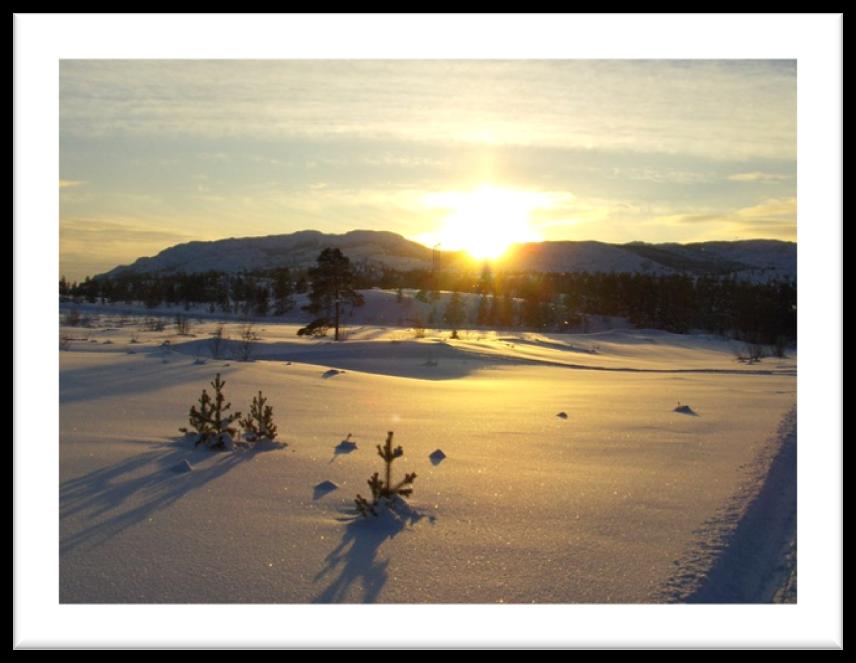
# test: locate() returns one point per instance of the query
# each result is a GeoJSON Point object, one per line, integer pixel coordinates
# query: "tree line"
{"type": "Point", "coordinates": [755, 312]}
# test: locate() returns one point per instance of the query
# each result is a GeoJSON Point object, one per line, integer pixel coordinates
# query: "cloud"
{"type": "Point", "coordinates": [758, 176]}
{"type": "Point", "coordinates": [653, 150]}
{"type": "Point", "coordinates": [773, 209]}
{"type": "Point", "coordinates": [90, 246]}
{"type": "Point", "coordinates": [774, 218]}
{"type": "Point", "coordinates": [717, 108]}
{"type": "Point", "coordinates": [697, 218]}
{"type": "Point", "coordinates": [100, 233]}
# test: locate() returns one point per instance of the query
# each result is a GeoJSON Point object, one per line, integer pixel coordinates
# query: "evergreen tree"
{"type": "Point", "coordinates": [211, 423]}
{"type": "Point", "coordinates": [483, 313]}
{"type": "Point", "coordinates": [454, 315]}
{"type": "Point", "coordinates": [283, 292]}
{"type": "Point", "coordinates": [384, 490]}
{"type": "Point", "coordinates": [486, 279]}
{"type": "Point", "coordinates": [262, 300]}
{"type": "Point", "coordinates": [332, 286]}
{"type": "Point", "coordinates": [200, 419]}
{"type": "Point", "coordinates": [221, 422]}
{"type": "Point", "coordinates": [506, 313]}
{"type": "Point", "coordinates": [258, 424]}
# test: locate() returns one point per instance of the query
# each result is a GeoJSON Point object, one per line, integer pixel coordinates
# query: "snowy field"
{"type": "Point", "coordinates": [622, 500]}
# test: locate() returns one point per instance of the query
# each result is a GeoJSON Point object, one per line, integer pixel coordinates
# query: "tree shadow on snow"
{"type": "Point", "coordinates": [357, 552]}
{"type": "Point", "coordinates": [118, 496]}
{"type": "Point", "coordinates": [89, 383]}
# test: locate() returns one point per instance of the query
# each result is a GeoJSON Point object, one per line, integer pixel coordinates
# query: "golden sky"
{"type": "Point", "coordinates": [153, 153]}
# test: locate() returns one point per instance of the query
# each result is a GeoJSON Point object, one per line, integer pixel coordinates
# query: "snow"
{"type": "Point", "coordinates": [625, 502]}
{"type": "Point", "coordinates": [437, 457]}
{"type": "Point", "coordinates": [755, 259]}
{"type": "Point", "coordinates": [183, 466]}
{"type": "Point", "coordinates": [346, 446]}
{"type": "Point", "coordinates": [323, 488]}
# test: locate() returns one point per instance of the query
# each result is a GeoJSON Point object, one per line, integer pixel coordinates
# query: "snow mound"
{"type": "Point", "coordinates": [266, 444]}
{"type": "Point", "coordinates": [393, 514]}
{"type": "Point", "coordinates": [323, 489]}
{"type": "Point", "coordinates": [346, 446]}
{"type": "Point", "coordinates": [437, 457]}
{"type": "Point", "coordinates": [183, 467]}
{"type": "Point", "coordinates": [685, 409]}
{"type": "Point", "coordinates": [223, 440]}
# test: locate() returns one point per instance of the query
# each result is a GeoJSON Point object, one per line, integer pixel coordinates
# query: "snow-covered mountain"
{"type": "Point", "coordinates": [299, 249]}
{"type": "Point", "coordinates": [751, 259]}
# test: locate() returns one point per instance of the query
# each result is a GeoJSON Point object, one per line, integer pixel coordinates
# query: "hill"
{"type": "Point", "coordinates": [757, 260]}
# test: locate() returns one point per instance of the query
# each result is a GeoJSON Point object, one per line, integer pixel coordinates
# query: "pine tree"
{"type": "Point", "coordinates": [332, 286]}
{"type": "Point", "coordinates": [261, 304]}
{"type": "Point", "coordinates": [210, 421]}
{"type": "Point", "coordinates": [258, 423]}
{"type": "Point", "coordinates": [483, 313]}
{"type": "Point", "coordinates": [220, 421]}
{"type": "Point", "coordinates": [454, 314]}
{"type": "Point", "coordinates": [506, 314]}
{"type": "Point", "coordinates": [200, 420]}
{"type": "Point", "coordinates": [283, 292]}
{"type": "Point", "coordinates": [384, 490]}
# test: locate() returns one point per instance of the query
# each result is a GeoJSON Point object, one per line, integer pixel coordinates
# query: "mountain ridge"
{"type": "Point", "coordinates": [758, 259]}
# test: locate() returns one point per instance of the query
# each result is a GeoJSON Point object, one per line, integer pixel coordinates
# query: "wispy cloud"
{"type": "Point", "coordinates": [707, 107]}
{"type": "Point", "coordinates": [156, 152]}
{"type": "Point", "coordinates": [91, 246]}
{"type": "Point", "coordinates": [99, 233]}
{"type": "Point", "coordinates": [758, 176]}
{"type": "Point", "coordinates": [773, 209]}
{"type": "Point", "coordinates": [774, 218]}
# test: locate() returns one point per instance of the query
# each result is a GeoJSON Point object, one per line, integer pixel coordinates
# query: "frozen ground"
{"type": "Point", "coordinates": [624, 500]}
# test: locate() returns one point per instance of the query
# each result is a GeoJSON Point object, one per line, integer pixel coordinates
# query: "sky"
{"type": "Point", "coordinates": [465, 153]}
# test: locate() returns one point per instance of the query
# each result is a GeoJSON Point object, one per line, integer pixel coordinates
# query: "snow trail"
{"type": "Point", "coordinates": [748, 552]}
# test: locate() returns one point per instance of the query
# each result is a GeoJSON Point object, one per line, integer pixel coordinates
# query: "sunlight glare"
{"type": "Point", "coordinates": [486, 221]}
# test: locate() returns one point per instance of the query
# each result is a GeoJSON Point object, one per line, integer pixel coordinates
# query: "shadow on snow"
{"type": "Point", "coordinates": [130, 491]}
{"type": "Point", "coordinates": [356, 556]}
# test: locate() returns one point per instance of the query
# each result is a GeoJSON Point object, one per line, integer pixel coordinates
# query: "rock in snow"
{"type": "Point", "coordinates": [562, 415]}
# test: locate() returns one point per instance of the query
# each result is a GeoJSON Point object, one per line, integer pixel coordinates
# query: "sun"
{"type": "Point", "coordinates": [486, 221]}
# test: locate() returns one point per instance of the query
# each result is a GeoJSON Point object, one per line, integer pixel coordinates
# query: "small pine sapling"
{"type": "Point", "coordinates": [384, 490]}
{"type": "Point", "coordinates": [210, 421]}
{"type": "Point", "coordinates": [200, 420]}
{"type": "Point", "coordinates": [220, 421]}
{"type": "Point", "coordinates": [258, 424]}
